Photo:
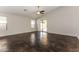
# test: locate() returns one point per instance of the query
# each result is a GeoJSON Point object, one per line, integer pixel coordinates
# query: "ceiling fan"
{"type": "Point", "coordinates": [38, 12]}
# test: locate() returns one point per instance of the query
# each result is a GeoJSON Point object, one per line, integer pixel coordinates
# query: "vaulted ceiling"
{"type": "Point", "coordinates": [30, 11]}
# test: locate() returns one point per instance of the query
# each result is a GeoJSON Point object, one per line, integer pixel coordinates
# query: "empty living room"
{"type": "Point", "coordinates": [39, 29]}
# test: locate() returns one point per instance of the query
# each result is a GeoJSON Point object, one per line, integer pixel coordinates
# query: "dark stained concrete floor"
{"type": "Point", "coordinates": [39, 42]}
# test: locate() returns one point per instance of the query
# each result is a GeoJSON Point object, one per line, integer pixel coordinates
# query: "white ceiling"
{"type": "Point", "coordinates": [31, 10]}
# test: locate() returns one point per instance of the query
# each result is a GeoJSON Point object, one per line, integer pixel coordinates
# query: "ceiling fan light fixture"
{"type": "Point", "coordinates": [38, 12]}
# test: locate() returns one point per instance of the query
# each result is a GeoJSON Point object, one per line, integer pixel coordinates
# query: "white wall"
{"type": "Point", "coordinates": [64, 20]}
{"type": "Point", "coordinates": [16, 24]}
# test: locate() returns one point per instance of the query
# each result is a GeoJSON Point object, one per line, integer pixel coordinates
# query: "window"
{"type": "Point", "coordinates": [32, 23]}
{"type": "Point", "coordinates": [3, 23]}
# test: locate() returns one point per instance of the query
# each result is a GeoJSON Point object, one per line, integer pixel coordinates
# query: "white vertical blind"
{"type": "Point", "coordinates": [3, 23]}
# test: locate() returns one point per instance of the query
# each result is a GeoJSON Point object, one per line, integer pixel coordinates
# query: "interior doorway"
{"type": "Point", "coordinates": [43, 25]}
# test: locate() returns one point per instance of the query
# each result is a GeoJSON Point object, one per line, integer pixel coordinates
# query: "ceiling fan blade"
{"type": "Point", "coordinates": [42, 11]}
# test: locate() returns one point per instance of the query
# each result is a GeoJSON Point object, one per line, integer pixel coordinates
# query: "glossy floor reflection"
{"type": "Point", "coordinates": [3, 45]}
{"type": "Point", "coordinates": [39, 42]}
